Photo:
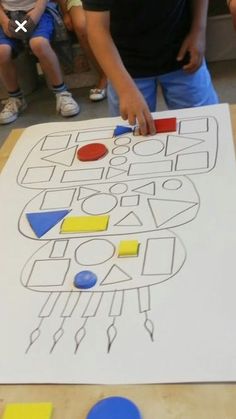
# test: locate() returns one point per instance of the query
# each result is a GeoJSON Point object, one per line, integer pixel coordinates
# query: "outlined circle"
{"type": "Point", "coordinates": [122, 141]}
{"type": "Point", "coordinates": [118, 188]}
{"type": "Point", "coordinates": [148, 147]}
{"type": "Point", "coordinates": [122, 149]}
{"type": "Point", "coordinates": [100, 203]}
{"type": "Point", "coordinates": [117, 161]}
{"type": "Point", "coordinates": [172, 184]}
{"type": "Point", "coordinates": [94, 252]}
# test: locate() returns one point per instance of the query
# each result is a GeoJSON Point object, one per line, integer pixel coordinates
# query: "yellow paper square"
{"type": "Point", "coordinates": [128, 248]}
{"type": "Point", "coordinates": [28, 411]}
{"type": "Point", "coordinates": [83, 224]}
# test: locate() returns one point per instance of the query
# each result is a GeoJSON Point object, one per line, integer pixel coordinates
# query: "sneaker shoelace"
{"type": "Point", "coordinates": [64, 98]}
{"type": "Point", "coordinates": [99, 91]}
{"type": "Point", "coordinates": [10, 105]}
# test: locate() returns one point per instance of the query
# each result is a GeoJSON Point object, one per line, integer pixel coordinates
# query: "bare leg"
{"type": "Point", "coordinates": [79, 24]}
{"type": "Point", "coordinates": [48, 60]}
{"type": "Point", "coordinates": [8, 69]}
{"type": "Point", "coordinates": [65, 104]}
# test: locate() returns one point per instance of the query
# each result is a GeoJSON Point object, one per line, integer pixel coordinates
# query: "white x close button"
{"type": "Point", "coordinates": [20, 26]}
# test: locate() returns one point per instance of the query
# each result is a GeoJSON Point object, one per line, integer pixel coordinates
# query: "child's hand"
{"type": "Point", "coordinates": [194, 45]}
{"type": "Point", "coordinates": [134, 108]}
{"type": "Point", "coordinates": [35, 15]}
{"type": "Point", "coordinates": [5, 26]}
{"type": "Point", "coordinates": [68, 22]}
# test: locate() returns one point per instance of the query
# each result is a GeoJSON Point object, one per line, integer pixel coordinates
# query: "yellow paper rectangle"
{"type": "Point", "coordinates": [28, 411]}
{"type": "Point", "coordinates": [128, 248]}
{"type": "Point", "coordinates": [85, 224]}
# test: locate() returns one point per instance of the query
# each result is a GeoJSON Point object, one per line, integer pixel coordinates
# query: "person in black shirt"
{"type": "Point", "coordinates": [142, 43]}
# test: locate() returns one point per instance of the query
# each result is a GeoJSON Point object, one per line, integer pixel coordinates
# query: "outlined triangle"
{"type": "Point", "coordinates": [86, 192]}
{"type": "Point", "coordinates": [130, 220]}
{"type": "Point", "coordinates": [164, 210]}
{"type": "Point", "coordinates": [115, 275]}
{"type": "Point", "coordinates": [176, 143]}
{"type": "Point", "coordinates": [147, 189]}
{"type": "Point", "coordinates": [42, 222]}
{"type": "Point", "coordinates": [113, 172]}
{"type": "Point", "coordinates": [65, 157]}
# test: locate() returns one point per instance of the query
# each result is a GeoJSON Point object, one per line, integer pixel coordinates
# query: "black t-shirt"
{"type": "Point", "coordinates": [147, 33]}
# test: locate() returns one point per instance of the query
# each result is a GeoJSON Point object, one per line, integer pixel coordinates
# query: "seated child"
{"type": "Point", "coordinates": [41, 29]}
{"type": "Point", "coordinates": [74, 19]}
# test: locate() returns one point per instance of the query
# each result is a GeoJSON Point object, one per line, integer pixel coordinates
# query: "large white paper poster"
{"type": "Point", "coordinates": [166, 314]}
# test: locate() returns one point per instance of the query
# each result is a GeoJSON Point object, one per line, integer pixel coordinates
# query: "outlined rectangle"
{"type": "Point", "coordinates": [48, 272]}
{"type": "Point", "coordinates": [159, 256]}
{"type": "Point", "coordinates": [117, 303]}
{"type": "Point", "coordinates": [59, 249]}
{"type": "Point", "coordinates": [130, 201]}
{"type": "Point", "coordinates": [93, 304]}
{"type": "Point", "coordinates": [82, 175]}
{"type": "Point", "coordinates": [49, 304]}
{"type": "Point", "coordinates": [38, 174]}
{"type": "Point", "coordinates": [192, 126]}
{"type": "Point", "coordinates": [144, 299]}
{"type": "Point", "coordinates": [192, 161]}
{"type": "Point", "coordinates": [56, 142]}
{"type": "Point", "coordinates": [71, 304]}
{"type": "Point", "coordinates": [60, 198]}
{"type": "Point", "coordinates": [101, 134]}
{"type": "Point", "coordinates": [150, 167]}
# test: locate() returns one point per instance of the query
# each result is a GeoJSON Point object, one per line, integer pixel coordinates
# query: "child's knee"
{"type": "Point", "coordinates": [40, 46]}
{"type": "Point", "coordinates": [5, 53]}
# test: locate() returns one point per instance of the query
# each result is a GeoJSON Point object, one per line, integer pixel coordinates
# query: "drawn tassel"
{"type": "Point", "coordinates": [149, 326]}
{"type": "Point", "coordinates": [79, 336]}
{"type": "Point", "coordinates": [58, 335]}
{"type": "Point", "coordinates": [111, 334]}
{"type": "Point", "coordinates": [34, 335]}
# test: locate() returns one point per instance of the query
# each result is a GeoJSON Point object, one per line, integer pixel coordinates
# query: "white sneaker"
{"type": "Point", "coordinates": [97, 94]}
{"type": "Point", "coordinates": [66, 105]}
{"type": "Point", "coordinates": [13, 107]}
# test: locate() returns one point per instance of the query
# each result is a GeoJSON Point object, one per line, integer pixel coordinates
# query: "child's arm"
{"type": "Point", "coordinates": [132, 104]}
{"type": "Point", "coordinates": [4, 21]}
{"type": "Point", "coordinates": [194, 43]}
{"type": "Point", "coordinates": [232, 9]}
{"type": "Point", "coordinates": [36, 13]}
{"type": "Point", "coordinates": [66, 16]}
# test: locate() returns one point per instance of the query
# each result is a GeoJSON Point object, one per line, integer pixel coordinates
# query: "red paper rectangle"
{"type": "Point", "coordinates": [165, 125]}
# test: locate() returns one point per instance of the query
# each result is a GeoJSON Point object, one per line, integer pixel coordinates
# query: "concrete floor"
{"type": "Point", "coordinates": [41, 103]}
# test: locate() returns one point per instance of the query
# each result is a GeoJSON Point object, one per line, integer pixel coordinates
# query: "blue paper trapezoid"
{"type": "Point", "coordinates": [42, 222]}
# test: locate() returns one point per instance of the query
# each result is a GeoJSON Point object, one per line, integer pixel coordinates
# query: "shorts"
{"type": "Point", "coordinates": [180, 90]}
{"type": "Point", "coordinates": [73, 3]}
{"type": "Point", "coordinates": [44, 28]}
